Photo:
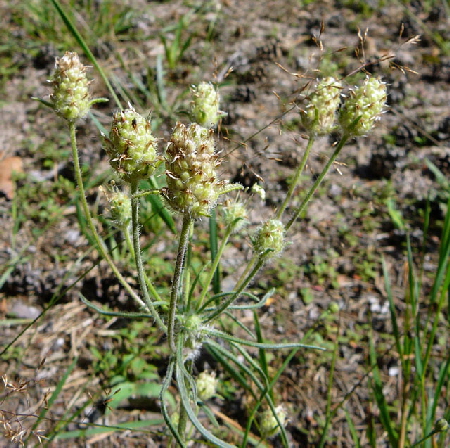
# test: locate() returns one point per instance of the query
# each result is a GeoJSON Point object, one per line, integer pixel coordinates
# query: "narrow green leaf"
{"type": "Point", "coordinates": [158, 205]}
{"type": "Point", "coordinates": [262, 352]}
{"type": "Point", "coordinates": [392, 310]}
{"type": "Point", "coordinates": [229, 337]}
{"type": "Point", "coordinates": [93, 429]}
{"type": "Point", "coordinates": [55, 394]}
{"type": "Point", "coordinates": [165, 386]}
{"type": "Point", "coordinates": [184, 395]}
{"type": "Point", "coordinates": [353, 432]}
{"type": "Point", "coordinates": [380, 398]}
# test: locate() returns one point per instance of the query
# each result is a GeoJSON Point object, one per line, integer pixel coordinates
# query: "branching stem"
{"type": "Point", "coordinates": [100, 244]}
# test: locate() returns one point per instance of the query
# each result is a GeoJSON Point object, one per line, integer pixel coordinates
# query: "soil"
{"type": "Point", "coordinates": [265, 55]}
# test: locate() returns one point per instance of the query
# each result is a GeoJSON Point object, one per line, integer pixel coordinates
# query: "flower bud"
{"type": "Point", "coordinates": [175, 418]}
{"type": "Point", "coordinates": [319, 115]}
{"type": "Point", "coordinates": [235, 214]}
{"type": "Point", "coordinates": [257, 189]}
{"type": "Point", "coordinates": [441, 425]}
{"type": "Point", "coordinates": [205, 105]}
{"type": "Point", "coordinates": [333, 308]}
{"type": "Point", "coordinates": [192, 184]}
{"type": "Point", "coordinates": [120, 207]}
{"type": "Point", "coordinates": [364, 106]}
{"type": "Point", "coordinates": [268, 423]}
{"type": "Point", "coordinates": [206, 385]}
{"type": "Point", "coordinates": [270, 237]}
{"type": "Point", "coordinates": [70, 98]}
{"type": "Point", "coordinates": [131, 146]}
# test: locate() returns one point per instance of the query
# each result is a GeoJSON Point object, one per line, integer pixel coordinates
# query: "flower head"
{"type": "Point", "coordinates": [70, 98]}
{"type": "Point", "coordinates": [269, 424]}
{"type": "Point", "coordinates": [131, 146]}
{"type": "Point", "coordinates": [235, 214]}
{"type": "Point", "coordinates": [206, 385]}
{"type": "Point", "coordinates": [269, 240]}
{"type": "Point", "coordinates": [319, 115]}
{"type": "Point", "coordinates": [192, 182]}
{"type": "Point", "coordinates": [205, 105]}
{"type": "Point", "coordinates": [119, 207]}
{"type": "Point", "coordinates": [363, 107]}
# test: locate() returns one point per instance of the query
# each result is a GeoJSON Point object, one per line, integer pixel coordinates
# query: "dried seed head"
{"type": "Point", "coordinates": [364, 105]}
{"type": "Point", "coordinates": [131, 146]}
{"type": "Point", "coordinates": [206, 385]}
{"type": "Point", "coordinates": [269, 425]}
{"type": "Point", "coordinates": [318, 117]}
{"type": "Point", "coordinates": [70, 97]}
{"type": "Point", "coordinates": [269, 240]}
{"type": "Point", "coordinates": [205, 105]}
{"type": "Point", "coordinates": [191, 162]}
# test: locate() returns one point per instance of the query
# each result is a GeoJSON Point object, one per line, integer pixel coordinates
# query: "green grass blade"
{"type": "Point", "coordinates": [12, 264]}
{"type": "Point", "coordinates": [72, 29]}
{"type": "Point", "coordinates": [329, 414]}
{"type": "Point", "coordinates": [441, 285]}
{"type": "Point", "coordinates": [261, 352]}
{"type": "Point", "coordinates": [440, 177]}
{"type": "Point", "coordinates": [392, 310]}
{"type": "Point", "coordinates": [222, 355]}
{"type": "Point", "coordinates": [55, 394]}
{"type": "Point", "coordinates": [161, 89]}
{"type": "Point", "coordinates": [352, 429]}
{"type": "Point", "coordinates": [380, 398]}
{"type": "Point", "coordinates": [157, 204]}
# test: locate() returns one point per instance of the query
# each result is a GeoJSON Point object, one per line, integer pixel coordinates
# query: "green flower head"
{"type": "Point", "coordinates": [70, 98]}
{"type": "Point", "coordinates": [363, 107]}
{"type": "Point", "coordinates": [131, 146]}
{"type": "Point", "coordinates": [193, 187]}
{"type": "Point", "coordinates": [270, 238]}
{"type": "Point", "coordinates": [205, 105]}
{"type": "Point", "coordinates": [318, 117]}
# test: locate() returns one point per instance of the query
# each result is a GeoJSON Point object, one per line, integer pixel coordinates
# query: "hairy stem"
{"type": "Point", "coordinates": [175, 292]}
{"type": "Point", "coordinates": [215, 263]}
{"type": "Point", "coordinates": [143, 281]}
{"type": "Point", "coordinates": [318, 181]}
{"type": "Point", "coordinates": [100, 244]}
{"type": "Point", "coordinates": [295, 179]}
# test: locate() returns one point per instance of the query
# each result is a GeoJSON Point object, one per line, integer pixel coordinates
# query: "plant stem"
{"type": "Point", "coordinates": [182, 422]}
{"type": "Point", "coordinates": [242, 286]}
{"type": "Point", "coordinates": [177, 278]}
{"type": "Point", "coordinates": [126, 232]}
{"type": "Point", "coordinates": [318, 181]}
{"type": "Point", "coordinates": [215, 263]}
{"type": "Point", "coordinates": [248, 268]}
{"type": "Point", "coordinates": [143, 281]}
{"type": "Point", "coordinates": [100, 244]}
{"type": "Point", "coordinates": [295, 179]}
